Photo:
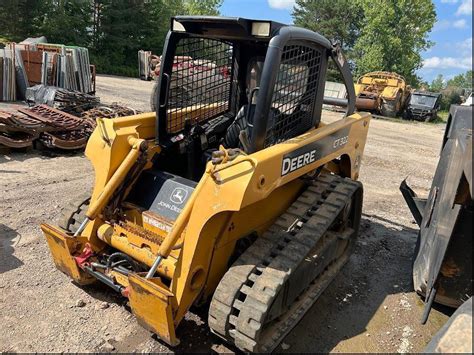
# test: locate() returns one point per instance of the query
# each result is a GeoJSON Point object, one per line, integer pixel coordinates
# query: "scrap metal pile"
{"type": "Point", "coordinates": [110, 111]}
{"type": "Point", "coordinates": [44, 126]}
{"type": "Point", "coordinates": [73, 102]}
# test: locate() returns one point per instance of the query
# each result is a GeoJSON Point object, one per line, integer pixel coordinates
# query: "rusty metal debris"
{"type": "Point", "coordinates": [58, 120]}
{"type": "Point", "coordinates": [17, 131]}
{"type": "Point", "coordinates": [54, 128]}
{"type": "Point", "coordinates": [70, 101]}
{"type": "Point", "coordinates": [109, 111]}
{"type": "Point", "coordinates": [65, 140]}
{"type": "Point", "coordinates": [16, 122]}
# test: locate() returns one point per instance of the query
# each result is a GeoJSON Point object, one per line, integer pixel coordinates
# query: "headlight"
{"type": "Point", "coordinates": [261, 29]}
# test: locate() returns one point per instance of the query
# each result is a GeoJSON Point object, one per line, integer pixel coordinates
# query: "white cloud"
{"type": "Point", "coordinates": [446, 24]}
{"type": "Point", "coordinates": [281, 4]}
{"type": "Point", "coordinates": [448, 62]}
{"type": "Point", "coordinates": [449, 1]}
{"type": "Point", "coordinates": [465, 46]}
{"type": "Point", "coordinates": [441, 25]}
{"type": "Point", "coordinates": [465, 8]}
{"type": "Point", "coordinates": [459, 23]}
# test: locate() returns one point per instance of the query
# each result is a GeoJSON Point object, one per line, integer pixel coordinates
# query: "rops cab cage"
{"type": "Point", "coordinates": [211, 69]}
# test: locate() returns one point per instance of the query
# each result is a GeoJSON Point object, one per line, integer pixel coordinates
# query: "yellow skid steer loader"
{"type": "Point", "coordinates": [234, 194]}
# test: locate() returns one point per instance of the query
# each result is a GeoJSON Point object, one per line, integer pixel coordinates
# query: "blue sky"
{"type": "Point", "coordinates": [452, 34]}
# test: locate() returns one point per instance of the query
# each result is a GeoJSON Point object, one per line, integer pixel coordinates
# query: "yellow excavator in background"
{"type": "Point", "coordinates": [234, 194]}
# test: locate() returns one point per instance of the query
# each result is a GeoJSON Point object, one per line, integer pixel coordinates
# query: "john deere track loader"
{"type": "Point", "coordinates": [239, 198]}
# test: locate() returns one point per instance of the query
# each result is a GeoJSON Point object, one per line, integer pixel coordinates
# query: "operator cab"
{"type": "Point", "coordinates": [238, 83]}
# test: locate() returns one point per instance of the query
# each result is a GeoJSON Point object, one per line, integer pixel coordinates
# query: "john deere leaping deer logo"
{"type": "Point", "coordinates": [179, 195]}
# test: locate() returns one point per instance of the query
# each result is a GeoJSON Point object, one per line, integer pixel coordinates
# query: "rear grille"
{"type": "Point", "coordinates": [294, 94]}
{"type": "Point", "coordinates": [202, 78]}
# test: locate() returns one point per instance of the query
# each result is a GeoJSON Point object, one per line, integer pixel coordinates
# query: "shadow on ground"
{"type": "Point", "coordinates": [8, 261]}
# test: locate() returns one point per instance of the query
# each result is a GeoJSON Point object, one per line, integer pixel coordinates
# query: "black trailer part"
{"type": "Point", "coordinates": [443, 256]}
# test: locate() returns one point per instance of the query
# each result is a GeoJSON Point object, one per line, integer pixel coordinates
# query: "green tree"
{"type": "Point", "coordinates": [122, 26]}
{"type": "Point", "coordinates": [337, 20]}
{"type": "Point", "coordinates": [393, 34]}
{"type": "Point", "coordinates": [462, 81]}
{"type": "Point", "coordinates": [67, 22]}
{"type": "Point", "coordinates": [202, 7]}
{"type": "Point", "coordinates": [20, 19]}
{"type": "Point", "coordinates": [450, 96]}
{"type": "Point", "coordinates": [438, 83]}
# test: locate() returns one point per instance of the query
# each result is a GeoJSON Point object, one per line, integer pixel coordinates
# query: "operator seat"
{"type": "Point", "coordinates": [244, 122]}
{"type": "Point", "coordinates": [240, 123]}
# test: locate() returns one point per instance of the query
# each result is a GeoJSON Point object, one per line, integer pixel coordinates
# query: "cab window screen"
{"type": "Point", "coordinates": [294, 93]}
{"type": "Point", "coordinates": [201, 81]}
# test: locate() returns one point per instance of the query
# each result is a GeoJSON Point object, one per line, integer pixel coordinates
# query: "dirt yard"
{"type": "Point", "coordinates": [370, 307]}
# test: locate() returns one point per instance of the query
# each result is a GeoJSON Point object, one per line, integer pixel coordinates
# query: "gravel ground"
{"type": "Point", "coordinates": [370, 306]}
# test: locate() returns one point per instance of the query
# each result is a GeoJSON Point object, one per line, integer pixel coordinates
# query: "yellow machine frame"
{"type": "Point", "coordinates": [234, 198]}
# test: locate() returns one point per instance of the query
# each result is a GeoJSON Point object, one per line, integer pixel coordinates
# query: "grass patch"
{"type": "Point", "coordinates": [442, 116]}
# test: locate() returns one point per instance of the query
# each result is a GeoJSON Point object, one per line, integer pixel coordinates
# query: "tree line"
{"type": "Point", "coordinates": [453, 89]}
{"type": "Point", "coordinates": [375, 34]}
{"type": "Point", "coordinates": [386, 35]}
{"type": "Point", "coordinates": [113, 30]}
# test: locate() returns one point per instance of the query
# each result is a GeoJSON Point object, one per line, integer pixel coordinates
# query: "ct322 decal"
{"type": "Point", "coordinates": [310, 153]}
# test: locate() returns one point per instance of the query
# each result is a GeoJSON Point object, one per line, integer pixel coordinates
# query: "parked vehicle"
{"type": "Point", "coordinates": [382, 92]}
{"type": "Point", "coordinates": [247, 209]}
{"type": "Point", "coordinates": [422, 106]}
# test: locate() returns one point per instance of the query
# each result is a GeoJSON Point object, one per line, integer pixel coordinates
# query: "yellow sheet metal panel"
{"type": "Point", "coordinates": [390, 92]}
{"type": "Point", "coordinates": [109, 145]}
{"type": "Point", "coordinates": [254, 218]}
{"type": "Point", "coordinates": [152, 304]}
{"type": "Point", "coordinates": [246, 181]}
{"type": "Point", "coordinates": [358, 88]}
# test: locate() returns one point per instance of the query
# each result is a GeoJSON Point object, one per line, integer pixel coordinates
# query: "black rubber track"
{"type": "Point", "coordinates": [75, 213]}
{"type": "Point", "coordinates": [275, 267]}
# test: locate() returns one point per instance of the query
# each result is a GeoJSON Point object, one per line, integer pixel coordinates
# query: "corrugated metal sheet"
{"type": "Point", "coordinates": [32, 62]}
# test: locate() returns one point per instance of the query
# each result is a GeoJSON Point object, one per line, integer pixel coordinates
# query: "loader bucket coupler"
{"type": "Point", "coordinates": [62, 248]}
